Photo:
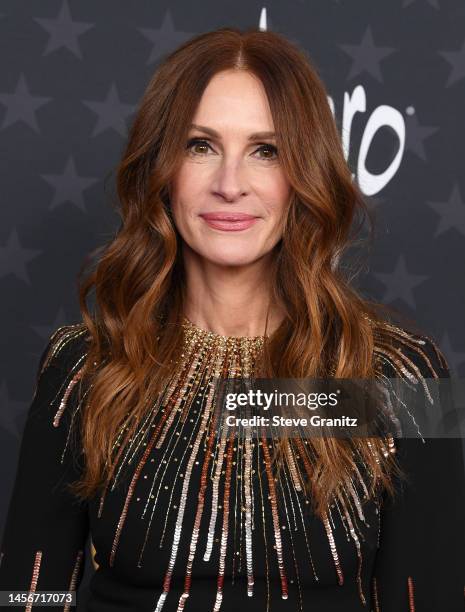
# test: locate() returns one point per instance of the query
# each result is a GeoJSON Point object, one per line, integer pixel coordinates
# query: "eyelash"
{"type": "Point", "coordinates": [204, 141]}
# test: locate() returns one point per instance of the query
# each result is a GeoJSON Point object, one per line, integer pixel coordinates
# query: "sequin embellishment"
{"type": "Point", "coordinates": [228, 468]}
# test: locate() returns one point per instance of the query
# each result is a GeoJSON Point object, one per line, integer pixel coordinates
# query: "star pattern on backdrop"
{"type": "Point", "coordinates": [366, 56]}
{"type": "Point", "coordinates": [69, 186]}
{"type": "Point", "coordinates": [14, 258]}
{"type": "Point", "coordinates": [457, 60]}
{"type": "Point", "coordinates": [416, 134]}
{"type": "Point", "coordinates": [63, 31]}
{"type": "Point", "coordinates": [111, 113]}
{"type": "Point", "coordinates": [165, 38]}
{"type": "Point", "coordinates": [21, 105]}
{"type": "Point", "coordinates": [400, 283]}
{"type": "Point", "coordinates": [451, 212]}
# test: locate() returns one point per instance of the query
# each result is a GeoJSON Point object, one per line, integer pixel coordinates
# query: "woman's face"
{"type": "Point", "coordinates": [230, 195]}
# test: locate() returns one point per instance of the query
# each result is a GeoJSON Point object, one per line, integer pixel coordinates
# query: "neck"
{"type": "Point", "coordinates": [230, 300]}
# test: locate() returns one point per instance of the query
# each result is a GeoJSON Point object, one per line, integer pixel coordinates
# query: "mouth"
{"type": "Point", "coordinates": [229, 222]}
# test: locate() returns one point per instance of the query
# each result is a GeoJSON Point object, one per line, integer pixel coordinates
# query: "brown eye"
{"type": "Point", "coordinates": [270, 150]}
{"type": "Point", "coordinates": [197, 142]}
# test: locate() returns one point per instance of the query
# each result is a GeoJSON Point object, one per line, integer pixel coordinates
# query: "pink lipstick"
{"type": "Point", "coordinates": [229, 221]}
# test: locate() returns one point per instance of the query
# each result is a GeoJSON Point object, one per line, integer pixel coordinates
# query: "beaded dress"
{"type": "Point", "coordinates": [199, 523]}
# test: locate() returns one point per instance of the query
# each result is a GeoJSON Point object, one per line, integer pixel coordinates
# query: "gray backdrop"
{"type": "Point", "coordinates": [72, 73]}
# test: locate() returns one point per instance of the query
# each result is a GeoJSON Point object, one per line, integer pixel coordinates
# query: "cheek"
{"type": "Point", "coordinates": [276, 196]}
{"type": "Point", "coordinates": [185, 188]}
{"type": "Point", "coordinates": [190, 177]}
{"type": "Point", "coordinates": [283, 188]}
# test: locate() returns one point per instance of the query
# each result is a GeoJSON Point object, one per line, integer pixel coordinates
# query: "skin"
{"type": "Point", "coordinates": [226, 272]}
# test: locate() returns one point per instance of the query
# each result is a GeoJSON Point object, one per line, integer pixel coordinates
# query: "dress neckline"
{"type": "Point", "coordinates": [187, 323]}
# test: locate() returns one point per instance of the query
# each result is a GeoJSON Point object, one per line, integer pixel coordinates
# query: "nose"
{"type": "Point", "coordinates": [229, 182]}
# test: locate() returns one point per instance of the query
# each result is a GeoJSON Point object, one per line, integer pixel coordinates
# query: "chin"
{"type": "Point", "coordinates": [229, 259]}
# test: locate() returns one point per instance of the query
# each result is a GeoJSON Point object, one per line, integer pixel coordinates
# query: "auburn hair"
{"type": "Point", "coordinates": [137, 278]}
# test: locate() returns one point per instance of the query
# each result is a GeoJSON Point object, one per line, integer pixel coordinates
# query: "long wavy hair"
{"type": "Point", "coordinates": [138, 278]}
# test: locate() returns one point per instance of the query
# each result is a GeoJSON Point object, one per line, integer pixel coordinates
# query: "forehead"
{"type": "Point", "coordinates": [234, 99]}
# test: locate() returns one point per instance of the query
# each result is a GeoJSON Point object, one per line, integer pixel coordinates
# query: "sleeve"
{"type": "Point", "coordinates": [420, 561]}
{"type": "Point", "coordinates": [46, 526]}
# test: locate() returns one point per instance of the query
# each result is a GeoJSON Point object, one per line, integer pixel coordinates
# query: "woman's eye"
{"type": "Point", "coordinates": [271, 150]}
{"type": "Point", "coordinates": [197, 142]}
{"type": "Point", "coordinates": [199, 146]}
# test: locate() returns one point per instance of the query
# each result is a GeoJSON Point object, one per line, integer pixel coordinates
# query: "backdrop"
{"type": "Point", "coordinates": [72, 74]}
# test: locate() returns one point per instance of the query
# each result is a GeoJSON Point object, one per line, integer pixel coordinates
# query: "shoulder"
{"type": "Point", "coordinates": [51, 439]}
{"type": "Point", "coordinates": [61, 358]}
{"type": "Point", "coordinates": [64, 346]}
{"type": "Point", "coordinates": [416, 376]}
{"type": "Point", "coordinates": [402, 352]}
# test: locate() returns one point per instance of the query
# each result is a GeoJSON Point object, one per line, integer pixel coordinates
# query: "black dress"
{"type": "Point", "coordinates": [186, 517]}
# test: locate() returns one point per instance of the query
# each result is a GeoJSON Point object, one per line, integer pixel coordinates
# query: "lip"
{"type": "Point", "coordinates": [229, 221]}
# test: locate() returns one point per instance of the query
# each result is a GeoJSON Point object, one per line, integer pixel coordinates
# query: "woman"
{"type": "Point", "coordinates": [236, 206]}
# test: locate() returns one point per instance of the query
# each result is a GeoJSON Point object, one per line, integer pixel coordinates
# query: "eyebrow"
{"type": "Point", "coordinates": [215, 134]}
